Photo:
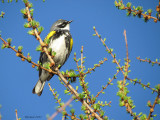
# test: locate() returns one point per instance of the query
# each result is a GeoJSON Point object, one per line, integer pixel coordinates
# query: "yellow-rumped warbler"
{"type": "Point", "coordinates": [61, 43]}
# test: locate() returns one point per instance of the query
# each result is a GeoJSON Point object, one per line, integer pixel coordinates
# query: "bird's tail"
{"type": "Point", "coordinates": [38, 87]}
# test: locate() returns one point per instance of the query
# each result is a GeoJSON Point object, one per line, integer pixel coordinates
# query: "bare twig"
{"type": "Point", "coordinates": [126, 50]}
{"type": "Point", "coordinates": [82, 59]}
{"type": "Point", "coordinates": [16, 115]}
{"type": "Point", "coordinates": [127, 59]}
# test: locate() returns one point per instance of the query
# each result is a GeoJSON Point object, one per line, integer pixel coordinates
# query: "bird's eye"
{"type": "Point", "coordinates": [62, 25]}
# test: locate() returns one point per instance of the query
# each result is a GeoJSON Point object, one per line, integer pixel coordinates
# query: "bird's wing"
{"type": "Point", "coordinates": [69, 43]}
{"type": "Point", "coordinates": [43, 56]}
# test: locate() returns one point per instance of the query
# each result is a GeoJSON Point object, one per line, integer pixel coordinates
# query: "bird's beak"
{"type": "Point", "coordinates": [70, 21]}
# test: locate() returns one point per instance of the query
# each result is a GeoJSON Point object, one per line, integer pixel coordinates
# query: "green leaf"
{"type": "Point", "coordinates": [140, 8]}
{"type": "Point", "coordinates": [20, 47]}
{"type": "Point", "coordinates": [47, 41]}
{"type": "Point", "coordinates": [53, 53]}
{"type": "Point", "coordinates": [46, 65]}
{"type": "Point", "coordinates": [116, 3]}
{"type": "Point", "coordinates": [31, 12]}
{"type": "Point", "coordinates": [30, 5]}
{"type": "Point", "coordinates": [76, 87]}
{"type": "Point", "coordinates": [157, 87]}
{"type": "Point", "coordinates": [122, 7]}
{"type": "Point", "coordinates": [26, 25]}
{"type": "Point", "coordinates": [128, 14]}
{"type": "Point", "coordinates": [30, 32]}
{"type": "Point", "coordinates": [25, 1]}
{"type": "Point", "coordinates": [66, 91]}
{"type": "Point", "coordinates": [143, 117]}
{"type": "Point", "coordinates": [81, 95]}
{"type": "Point", "coordinates": [40, 29]}
{"type": "Point", "coordinates": [121, 103]}
{"type": "Point", "coordinates": [38, 48]}
{"type": "Point", "coordinates": [64, 113]}
{"type": "Point", "coordinates": [134, 7]}
{"type": "Point", "coordinates": [9, 40]}
{"type": "Point", "coordinates": [129, 4]}
{"type": "Point", "coordinates": [72, 111]}
{"type": "Point", "coordinates": [23, 11]}
{"type": "Point", "coordinates": [158, 101]}
{"type": "Point", "coordinates": [149, 10]}
{"type": "Point", "coordinates": [106, 118]}
{"type": "Point", "coordinates": [3, 46]}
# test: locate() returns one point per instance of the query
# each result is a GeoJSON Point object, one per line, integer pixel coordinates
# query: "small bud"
{"type": "Point", "coordinates": [151, 110]}
{"type": "Point", "coordinates": [22, 59]}
{"type": "Point", "coordinates": [155, 20]}
{"type": "Point", "coordinates": [72, 117]}
{"type": "Point", "coordinates": [93, 115]}
{"type": "Point", "coordinates": [17, 54]}
{"type": "Point", "coordinates": [33, 66]}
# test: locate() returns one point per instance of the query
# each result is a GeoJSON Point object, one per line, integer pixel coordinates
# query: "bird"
{"type": "Point", "coordinates": [61, 43]}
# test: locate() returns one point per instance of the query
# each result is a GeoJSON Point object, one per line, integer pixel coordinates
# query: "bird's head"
{"type": "Point", "coordinates": [61, 25]}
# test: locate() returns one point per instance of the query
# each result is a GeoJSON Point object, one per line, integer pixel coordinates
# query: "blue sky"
{"type": "Point", "coordinates": [18, 78]}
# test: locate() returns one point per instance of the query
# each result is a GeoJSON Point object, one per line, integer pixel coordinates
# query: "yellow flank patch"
{"type": "Point", "coordinates": [50, 34]}
{"type": "Point", "coordinates": [71, 44]}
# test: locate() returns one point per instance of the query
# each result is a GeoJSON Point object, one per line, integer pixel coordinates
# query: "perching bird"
{"type": "Point", "coordinates": [61, 43]}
